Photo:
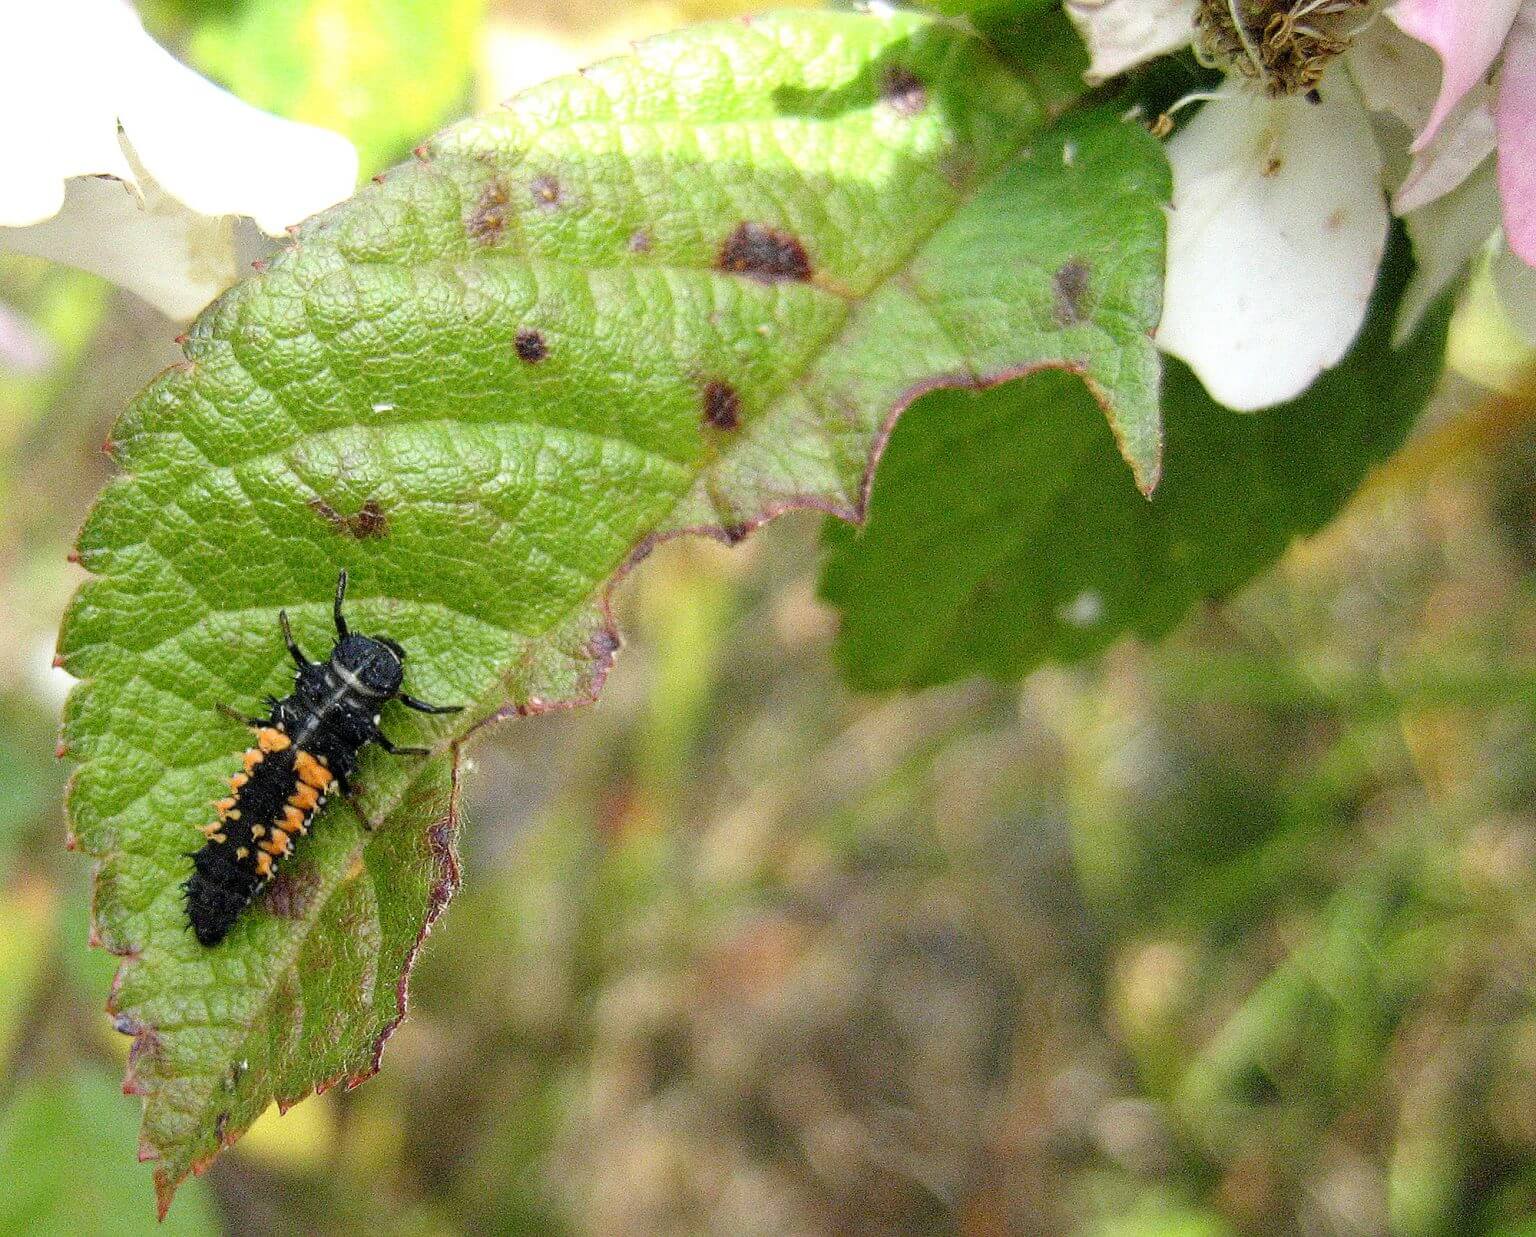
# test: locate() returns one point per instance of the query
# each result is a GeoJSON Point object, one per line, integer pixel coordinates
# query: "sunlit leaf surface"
{"type": "Point", "coordinates": [685, 291]}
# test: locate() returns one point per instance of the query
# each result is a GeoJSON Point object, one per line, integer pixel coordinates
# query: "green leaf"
{"type": "Point", "coordinates": [307, 1000]}
{"type": "Point", "coordinates": [381, 71]}
{"type": "Point", "coordinates": [62, 1161]}
{"type": "Point", "coordinates": [683, 292]}
{"type": "Point", "coordinates": [967, 8]}
{"type": "Point", "coordinates": [1003, 532]}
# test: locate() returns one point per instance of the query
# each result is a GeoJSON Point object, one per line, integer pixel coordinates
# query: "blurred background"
{"type": "Point", "coordinates": [1237, 934]}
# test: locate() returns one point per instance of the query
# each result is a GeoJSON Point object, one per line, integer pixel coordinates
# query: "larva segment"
{"type": "Point", "coordinates": [273, 803]}
{"type": "Point", "coordinates": [312, 772]}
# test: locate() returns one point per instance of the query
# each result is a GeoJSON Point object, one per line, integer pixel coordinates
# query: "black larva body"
{"type": "Point", "coordinates": [304, 752]}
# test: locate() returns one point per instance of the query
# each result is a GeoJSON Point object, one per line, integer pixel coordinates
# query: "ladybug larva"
{"type": "Point", "coordinates": [304, 752]}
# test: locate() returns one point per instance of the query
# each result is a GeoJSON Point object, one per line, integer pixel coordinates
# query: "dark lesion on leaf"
{"type": "Point", "coordinates": [370, 520]}
{"type": "Point", "coordinates": [1070, 285]}
{"type": "Point", "coordinates": [488, 220]}
{"type": "Point", "coordinates": [531, 346]}
{"type": "Point", "coordinates": [903, 90]}
{"type": "Point", "coordinates": [604, 643]}
{"type": "Point", "coordinates": [722, 405]}
{"type": "Point", "coordinates": [547, 192]}
{"type": "Point", "coordinates": [764, 253]}
{"type": "Point", "coordinates": [291, 893]}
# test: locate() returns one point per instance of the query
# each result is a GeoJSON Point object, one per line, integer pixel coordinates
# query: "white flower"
{"type": "Point", "coordinates": [1280, 210]}
{"type": "Point", "coordinates": [123, 162]}
{"type": "Point", "coordinates": [1277, 228]}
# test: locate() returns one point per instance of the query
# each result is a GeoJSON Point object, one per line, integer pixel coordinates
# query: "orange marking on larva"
{"type": "Point", "coordinates": [293, 819]}
{"type": "Point", "coordinates": [242, 852]}
{"type": "Point", "coordinates": [305, 797]}
{"type": "Point", "coordinates": [277, 844]}
{"type": "Point", "coordinates": [239, 780]}
{"type": "Point", "coordinates": [223, 805]}
{"type": "Point", "coordinates": [263, 864]}
{"type": "Point", "coordinates": [253, 758]}
{"type": "Point", "coordinates": [270, 739]}
{"type": "Point", "coordinates": [311, 770]}
{"type": "Point", "coordinates": [209, 831]}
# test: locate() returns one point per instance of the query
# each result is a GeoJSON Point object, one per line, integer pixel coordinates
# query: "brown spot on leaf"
{"type": "Point", "coordinates": [722, 405]}
{"type": "Point", "coordinates": [1071, 286]}
{"type": "Point", "coordinates": [547, 192]}
{"type": "Point", "coordinates": [903, 90]}
{"type": "Point", "coordinates": [531, 346]}
{"type": "Point", "coordinates": [291, 892]}
{"type": "Point", "coordinates": [764, 253]}
{"type": "Point", "coordinates": [370, 521]}
{"type": "Point", "coordinates": [734, 533]}
{"type": "Point", "coordinates": [489, 218]}
{"type": "Point", "coordinates": [640, 242]}
{"type": "Point", "coordinates": [604, 643]}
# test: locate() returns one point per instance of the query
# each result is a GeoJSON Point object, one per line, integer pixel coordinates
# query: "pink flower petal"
{"type": "Point", "coordinates": [1517, 136]}
{"type": "Point", "coordinates": [1467, 34]}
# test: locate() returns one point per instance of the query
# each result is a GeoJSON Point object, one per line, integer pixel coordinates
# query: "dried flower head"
{"type": "Point", "coordinates": [1284, 45]}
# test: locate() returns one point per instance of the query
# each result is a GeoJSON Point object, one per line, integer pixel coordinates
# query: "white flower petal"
{"type": "Point", "coordinates": [176, 260]}
{"type": "Point", "coordinates": [1400, 76]}
{"type": "Point", "coordinates": [1447, 235]}
{"type": "Point", "coordinates": [56, 113]}
{"type": "Point", "coordinates": [1395, 73]}
{"type": "Point", "coordinates": [1277, 228]}
{"type": "Point", "coordinates": [85, 93]}
{"type": "Point", "coordinates": [1462, 144]}
{"type": "Point", "coordinates": [1123, 33]}
{"type": "Point", "coordinates": [1515, 280]}
{"type": "Point", "coordinates": [220, 156]}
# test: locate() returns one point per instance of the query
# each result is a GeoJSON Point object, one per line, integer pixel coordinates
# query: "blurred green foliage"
{"type": "Point", "coordinates": [1233, 934]}
{"type": "Point", "coordinates": [385, 74]}
{"type": "Point", "coordinates": [61, 1153]}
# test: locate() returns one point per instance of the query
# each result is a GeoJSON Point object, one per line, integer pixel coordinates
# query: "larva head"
{"type": "Point", "coordinates": [370, 666]}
